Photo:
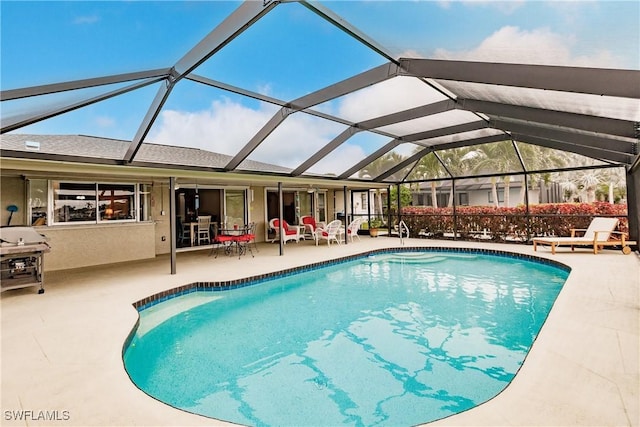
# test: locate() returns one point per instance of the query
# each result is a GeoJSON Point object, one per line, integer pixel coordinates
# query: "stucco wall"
{"type": "Point", "coordinates": [162, 223]}
{"type": "Point", "coordinates": [257, 212]}
{"type": "Point", "coordinates": [84, 246]}
{"type": "Point", "coordinates": [12, 190]}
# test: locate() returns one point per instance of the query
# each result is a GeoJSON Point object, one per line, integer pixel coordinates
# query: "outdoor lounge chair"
{"type": "Point", "coordinates": [597, 235]}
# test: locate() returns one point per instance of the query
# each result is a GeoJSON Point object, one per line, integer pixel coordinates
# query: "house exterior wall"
{"type": "Point", "coordinates": [257, 212]}
{"type": "Point", "coordinates": [160, 201]}
{"type": "Point", "coordinates": [481, 197]}
{"type": "Point", "coordinates": [84, 246]}
{"type": "Point", "coordinates": [12, 192]}
{"type": "Point", "coordinates": [76, 245]}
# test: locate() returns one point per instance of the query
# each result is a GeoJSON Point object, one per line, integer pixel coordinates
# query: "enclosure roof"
{"type": "Point", "coordinates": [341, 90]}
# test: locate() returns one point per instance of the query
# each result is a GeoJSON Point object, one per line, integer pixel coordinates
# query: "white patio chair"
{"type": "Point", "coordinates": [329, 233]}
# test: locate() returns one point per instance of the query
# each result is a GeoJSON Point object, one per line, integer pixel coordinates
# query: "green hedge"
{"type": "Point", "coordinates": [510, 223]}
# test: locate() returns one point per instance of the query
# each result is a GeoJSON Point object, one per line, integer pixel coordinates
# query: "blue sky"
{"type": "Point", "coordinates": [288, 53]}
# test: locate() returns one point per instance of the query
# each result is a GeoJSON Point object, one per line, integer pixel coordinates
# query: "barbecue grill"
{"type": "Point", "coordinates": [21, 258]}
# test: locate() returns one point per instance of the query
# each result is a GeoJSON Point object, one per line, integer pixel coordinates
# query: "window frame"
{"type": "Point", "coordinates": [500, 192]}
{"type": "Point", "coordinates": [136, 186]}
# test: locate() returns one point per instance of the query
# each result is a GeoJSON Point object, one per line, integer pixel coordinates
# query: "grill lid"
{"type": "Point", "coordinates": [16, 234]}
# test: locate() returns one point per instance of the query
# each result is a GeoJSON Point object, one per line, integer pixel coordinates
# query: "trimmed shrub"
{"type": "Point", "coordinates": [511, 223]}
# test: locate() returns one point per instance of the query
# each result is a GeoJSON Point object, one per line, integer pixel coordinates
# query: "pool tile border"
{"type": "Point", "coordinates": [154, 299]}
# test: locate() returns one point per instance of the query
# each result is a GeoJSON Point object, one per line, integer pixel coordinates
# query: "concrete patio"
{"type": "Point", "coordinates": [62, 350]}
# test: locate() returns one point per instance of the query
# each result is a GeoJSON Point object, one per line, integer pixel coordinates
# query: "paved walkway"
{"type": "Point", "coordinates": [62, 350]}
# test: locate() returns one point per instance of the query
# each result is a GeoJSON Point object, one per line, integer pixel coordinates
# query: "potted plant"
{"type": "Point", "coordinates": [374, 225]}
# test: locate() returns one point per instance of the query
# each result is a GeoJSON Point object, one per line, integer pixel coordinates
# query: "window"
{"type": "Point", "coordinates": [144, 205]}
{"type": "Point", "coordinates": [441, 198]}
{"type": "Point", "coordinates": [463, 199]}
{"type": "Point", "coordinates": [116, 201]}
{"type": "Point", "coordinates": [364, 199]}
{"type": "Point", "coordinates": [38, 199]}
{"type": "Point", "coordinates": [306, 203]}
{"type": "Point", "coordinates": [74, 202]}
{"type": "Point", "coordinates": [322, 206]}
{"type": "Point", "coordinates": [90, 202]}
{"type": "Point", "coordinates": [500, 196]}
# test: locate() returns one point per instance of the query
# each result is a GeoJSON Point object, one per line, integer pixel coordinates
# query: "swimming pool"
{"type": "Point", "coordinates": [386, 339]}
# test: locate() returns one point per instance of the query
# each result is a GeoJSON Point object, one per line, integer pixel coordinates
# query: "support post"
{"type": "Point", "coordinates": [172, 221]}
{"type": "Point", "coordinates": [345, 211]}
{"type": "Point", "coordinates": [633, 202]}
{"type": "Point", "coordinates": [346, 240]}
{"type": "Point", "coordinates": [526, 205]}
{"type": "Point", "coordinates": [281, 218]}
{"type": "Point", "coordinates": [455, 214]}
{"type": "Point", "coordinates": [399, 208]}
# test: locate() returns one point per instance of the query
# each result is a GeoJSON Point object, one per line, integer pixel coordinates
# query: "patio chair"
{"type": "Point", "coordinates": [311, 225]}
{"type": "Point", "coordinates": [597, 235]}
{"type": "Point", "coordinates": [250, 237]}
{"type": "Point", "coordinates": [184, 232]}
{"type": "Point", "coordinates": [290, 233]}
{"type": "Point", "coordinates": [204, 233]}
{"type": "Point", "coordinates": [353, 227]}
{"type": "Point", "coordinates": [329, 233]}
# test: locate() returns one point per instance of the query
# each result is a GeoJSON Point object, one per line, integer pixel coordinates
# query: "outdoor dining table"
{"type": "Point", "coordinates": [232, 239]}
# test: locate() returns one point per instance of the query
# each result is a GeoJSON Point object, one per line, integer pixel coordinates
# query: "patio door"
{"type": "Point", "coordinates": [289, 199]}
{"type": "Point", "coordinates": [235, 207]}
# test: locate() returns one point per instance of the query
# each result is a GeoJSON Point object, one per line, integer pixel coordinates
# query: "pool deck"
{"type": "Point", "coordinates": [62, 350]}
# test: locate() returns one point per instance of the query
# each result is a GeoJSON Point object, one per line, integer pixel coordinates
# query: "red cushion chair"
{"type": "Point", "coordinates": [290, 233]}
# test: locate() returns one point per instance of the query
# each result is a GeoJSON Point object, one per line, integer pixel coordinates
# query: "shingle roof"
{"type": "Point", "coordinates": [92, 147]}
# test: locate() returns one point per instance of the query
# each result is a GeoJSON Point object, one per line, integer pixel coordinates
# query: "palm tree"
{"type": "Point", "coordinates": [616, 179]}
{"type": "Point", "coordinates": [497, 157]}
{"type": "Point", "coordinates": [429, 167]}
{"type": "Point", "coordinates": [453, 161]}
{"type": "Point", "coordinates": [589, 180]}
{"type": "Point", "coordinates": [539, 158]}
{"type": "Point", "coordinates": [377, 167]}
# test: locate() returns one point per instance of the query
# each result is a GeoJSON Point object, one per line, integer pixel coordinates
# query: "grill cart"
{"type": "Point", "coordinates": [21, 258]}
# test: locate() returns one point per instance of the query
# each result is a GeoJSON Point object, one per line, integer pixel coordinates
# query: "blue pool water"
{"type": "Point", "coordinates": [391, 339]}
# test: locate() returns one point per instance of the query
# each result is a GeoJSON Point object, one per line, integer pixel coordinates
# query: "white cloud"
{"type": "Point", "coordinates": [341, 159]}
{"type": "Point", "coordinates": [224, 128]}
{"type": "Point", "coordinates": [390, 96]}
{"type": "Point", "coordinates": [227, 126]}
{"type": "Point", "coordinates": [540, 46]}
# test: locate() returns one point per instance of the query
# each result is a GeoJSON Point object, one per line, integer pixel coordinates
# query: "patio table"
{"type": "Point", "coordinates": [232, 239]}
